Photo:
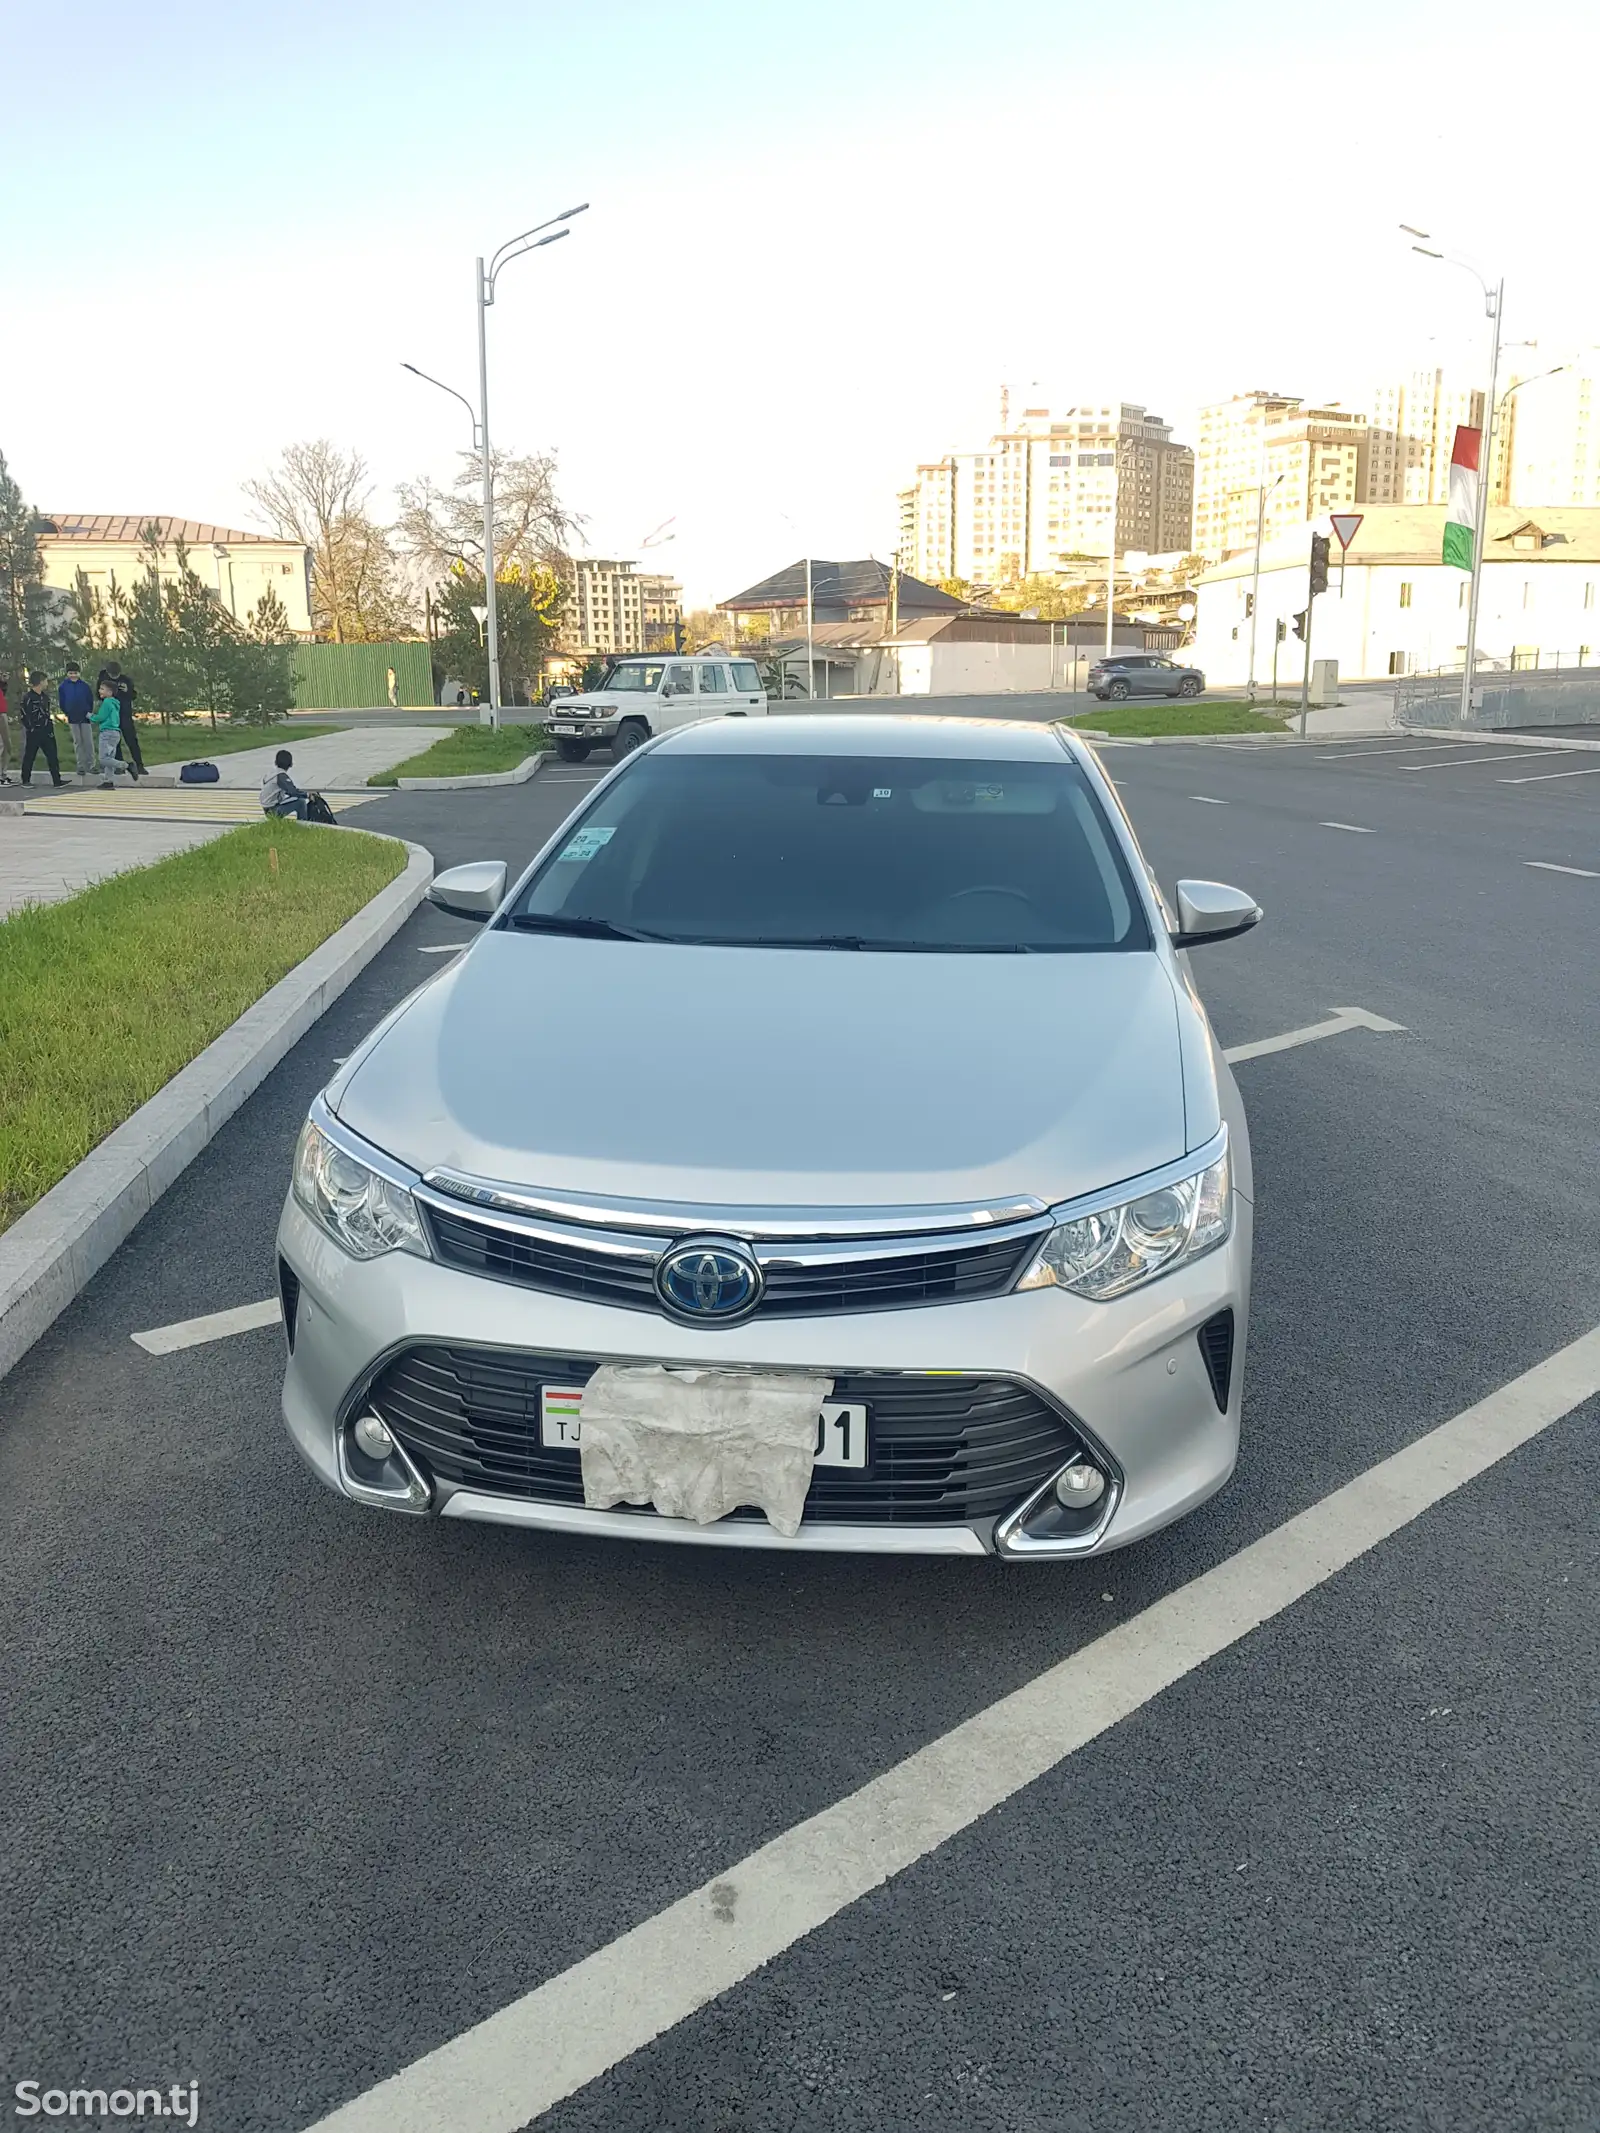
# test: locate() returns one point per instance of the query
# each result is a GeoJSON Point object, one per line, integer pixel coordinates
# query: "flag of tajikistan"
{"type": "Point", "coordinates": [1462, 515]}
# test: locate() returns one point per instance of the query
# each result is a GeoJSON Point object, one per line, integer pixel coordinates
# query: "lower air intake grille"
{"type": "Point", "coordinates": [1216, 1349]}
{"type": "Point", "coordinates": [289, 1297]}
{"type": "Point", "coordinates": [943, 1450]}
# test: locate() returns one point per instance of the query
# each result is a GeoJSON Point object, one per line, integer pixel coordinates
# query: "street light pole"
{"type": "Point", "coordinates": [1255, 584]}
{"type": "Point", "coordinates": [485, 279]}
{"type": "Point", "coordinates": [811, 675]}
{"type": "Point", "coordinates": [1494, 304]}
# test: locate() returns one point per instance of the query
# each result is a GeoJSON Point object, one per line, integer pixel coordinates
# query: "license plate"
{"type": "Point", "coordinates": [563, 729]}
{"type": "Point", "coordinates": [841, 1426]}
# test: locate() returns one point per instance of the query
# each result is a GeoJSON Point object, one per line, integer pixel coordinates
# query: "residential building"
{"type": "Point", "coordinates": [108, 549]}
{"type": "Point", "coordinates": [661, 610]}
{"type": "Point", "coordinates": [1553, 437]}
{"type": "Point", "coordinates": [1270, 453]}
{"type": "Point", "coordinates": [614, 609]}
{"type": "Point", "coordinates": [1049, 487]}
{"type": "Point", "coordinates": [1411, 429]}
{"type": "Point", "coordinates": [865, 591]}
{"type": "Point", "coordinates": [1394, 607]}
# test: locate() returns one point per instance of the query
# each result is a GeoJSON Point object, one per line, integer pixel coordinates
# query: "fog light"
{"type": "Point", "coordinates": [1079, 1487]}
{"type": "Point", "coordinates": [373, 1438]}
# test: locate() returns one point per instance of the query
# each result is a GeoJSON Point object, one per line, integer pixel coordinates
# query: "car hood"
{"type": "Point", "coordinates": [583, 703]}
{"type": "Point", "coordinates": [770, 1077]}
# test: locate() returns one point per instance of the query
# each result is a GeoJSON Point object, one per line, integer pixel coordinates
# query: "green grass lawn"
{"type": "Point", "coordinates": [468, 751]}
{"type": "Point", "coordinates": [1140, 721]}
{"type": "Point", "coordinates": [104, 997]}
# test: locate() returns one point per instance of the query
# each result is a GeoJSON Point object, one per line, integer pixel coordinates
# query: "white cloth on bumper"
{"type": "Point", "coordinates": [699, 1443]}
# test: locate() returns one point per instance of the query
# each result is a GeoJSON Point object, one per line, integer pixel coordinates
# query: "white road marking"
{"type": "Point", "coordinates": [1543, 777]}
{"type": "Point", "coordinates": [1206, 800]}
{"type": "Point", "coordinates": [1354, 828]}
{"type": "Point", "coordinates": [220, 1325]}
{"type": "Point", "coordinates": [1465, 762]}
{"type": "Point", "coordinates": [442, 948]}
{"type": "Point", "coordinates": [1338, 1022]}
{"type": "Point", "coordinates": [215, 1326]}
{"type": "Point", "coordinates": [1329, 755]}
{"type": "Point", "coordinates": [1548, 866]}
{"type": "Point", "coordinates": [502, 2072]}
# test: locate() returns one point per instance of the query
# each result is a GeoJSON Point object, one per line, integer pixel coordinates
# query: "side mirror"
{"type": "Point", "coordinates": [1211, 911]}
{"type": "Point", "coordinates": [474, 891]}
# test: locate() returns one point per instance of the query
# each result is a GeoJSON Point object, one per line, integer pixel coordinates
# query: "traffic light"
{"type": "Point", "coordinates": [1300, 624]}
{"type": "Point", "coordinates": [1249, 605]}
{"type": "Point", "coordinates": [1319, 564]}
{"type": "Point", "coordinates": [1283, 629]}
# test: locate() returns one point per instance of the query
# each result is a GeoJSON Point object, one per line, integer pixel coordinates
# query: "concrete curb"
{"type": "Point", "coordinates": [49, 1255]}
{"type": "Point", "coordinates": [526, 769]}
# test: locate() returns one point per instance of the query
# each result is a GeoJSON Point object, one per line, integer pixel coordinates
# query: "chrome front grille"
{"type": "Point", "coordinates": [803, 1279]}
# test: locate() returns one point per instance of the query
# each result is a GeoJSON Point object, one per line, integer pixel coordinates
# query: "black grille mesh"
{"type": "Point", "coordinates": [1216, 1348]}
{"type": "Point", "coordinates": [944, 1450]}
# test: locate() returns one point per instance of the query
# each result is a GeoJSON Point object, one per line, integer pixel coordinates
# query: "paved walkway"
{"type": "Point", "coordinates": [337, 762]}
{"type": "Point", "coordinates": [66, 841]}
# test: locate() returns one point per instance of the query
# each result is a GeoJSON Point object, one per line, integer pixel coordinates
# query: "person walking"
{"type": "Point", "coordinates": [108, 731]}
{"type": "Point", "coordinates": [38, 730]}
{"type": "Point", "coordinates": [279, 793]}
{"type": "Point", "coordinates": [126, 695]}
{"type": "Point", "coordinates": [5, 736]}
{"type": "Point", "coordinates": [76, 699]}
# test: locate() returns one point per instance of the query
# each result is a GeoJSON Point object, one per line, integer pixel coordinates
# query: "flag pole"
{"type": "Point", "coordinates": [1495, 298]}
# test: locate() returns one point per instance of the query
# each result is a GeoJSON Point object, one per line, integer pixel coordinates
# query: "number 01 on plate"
{"type": "Point", "coordinates": [841, 1426]}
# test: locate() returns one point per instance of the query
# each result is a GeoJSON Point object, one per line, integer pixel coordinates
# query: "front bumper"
{"type": "Point", "coordinates": [1129, 1378]}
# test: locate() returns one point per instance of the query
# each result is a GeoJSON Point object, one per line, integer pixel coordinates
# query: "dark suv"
{"type": "Point", "coordinates": [1143, 674]}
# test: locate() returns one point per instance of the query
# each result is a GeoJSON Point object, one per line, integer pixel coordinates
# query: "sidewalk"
{"type": "Point", "coordinates": [337, 762]}
{"type": "Point", "coordinates": [44, 862]}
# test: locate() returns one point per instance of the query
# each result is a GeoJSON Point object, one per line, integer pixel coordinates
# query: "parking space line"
{"type": "Point", "coordinates": [215, 1326]}
{"type": "Point", "coordinates": [1543, 777]}
{"type": "Point", "coordinates": [1548, 866]}
{"type": "Point", "coordinates": [1206, 800]}
{"type": "Point", "coordinates": [1329, 755]}
{"type": "Point", "coordinates": [442, 947]}
{"type": "Point", "coordinates": [517, 2064]}
{"type": "Point", "coordinates": [245, 1318]}
{"type": "Point", "coordinates": [1465, 762]}
{"type": "Point", "coordinates": [1354, 828]}
{"type": "Point", "coordinates": [1342, 1019]}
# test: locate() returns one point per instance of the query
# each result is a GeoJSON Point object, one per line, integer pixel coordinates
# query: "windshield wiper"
{"type": "Point", "coordinates": [592, 929]}
{"type": "Point", "coordinates": [864, 943]}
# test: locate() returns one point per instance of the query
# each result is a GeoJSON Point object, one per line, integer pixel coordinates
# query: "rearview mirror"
{"type": "Point", "coordinates": [474, 891]}
{"type": "Point", "coordinates": [1211, 911]}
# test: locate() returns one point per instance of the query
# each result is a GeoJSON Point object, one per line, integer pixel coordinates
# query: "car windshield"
{"type": "Point", "coordinates": [643, 678]}
{"type": "Point", "coordinates": [887, 853]}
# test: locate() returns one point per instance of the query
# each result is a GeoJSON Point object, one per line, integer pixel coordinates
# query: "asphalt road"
{"type": "Point", "coordinates": [295, 1793]}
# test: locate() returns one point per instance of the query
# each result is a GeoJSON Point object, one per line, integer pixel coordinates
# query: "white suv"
{"type": "Point", "coordinates": [640, 697]}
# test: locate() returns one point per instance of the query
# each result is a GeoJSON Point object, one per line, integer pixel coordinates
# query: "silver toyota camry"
{"type": "Point", "coordinates": [822, 1145]}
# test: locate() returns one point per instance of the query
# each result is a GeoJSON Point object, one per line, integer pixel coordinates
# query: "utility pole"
{"type": "Point", "coordinates": [811, 677]}
{"type": "Point", "coordinates": [1262, 494]}
{"type": "Point", "coordinates": [1305, 672]}
{"type": "Point", "coordinates": [1495, 301]}
{"type": "Point", "coordinates": [485, 296]}
{"type": "Point", "coordinates": [1316, 582]}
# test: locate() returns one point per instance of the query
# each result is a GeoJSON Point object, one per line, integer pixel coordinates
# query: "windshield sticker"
{"type": "Point", "coordinates": [587, 842]}
{"type": "Point", "coordinates": [882, 792]}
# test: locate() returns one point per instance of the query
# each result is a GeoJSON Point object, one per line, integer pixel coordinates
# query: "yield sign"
{"type": "Point", "coordinates": [1344, 524]}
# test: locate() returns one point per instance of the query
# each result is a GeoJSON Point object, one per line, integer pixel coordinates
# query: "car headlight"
{"type": "Point", "coordinates": [363, 1213]}
{"type": "Point", "coordinates": [1105, 1254]}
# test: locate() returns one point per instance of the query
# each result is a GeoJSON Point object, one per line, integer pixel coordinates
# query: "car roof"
{"type": "Point", "coordinates": [874, 734]}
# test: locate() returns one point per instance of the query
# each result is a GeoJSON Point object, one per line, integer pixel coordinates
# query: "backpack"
{"type": "Point", "coordinates": [318, 810]}
{"type": "Point", "coordinates": [199, 774]}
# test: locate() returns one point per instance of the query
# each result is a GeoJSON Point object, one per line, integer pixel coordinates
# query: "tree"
{"type": "Point", "coordinates": [1048, 597]}
{"type": "Point", "coordinates": [957, 588]}
{"type": "Point", "coordinates": [263, 678]}
{"type": "Point", "coordinates": [702, 626]}
{"type": "Point", "coordinates": [319, 496]}
{"type": "Point", "coordinates": [30, 621]}
{"type": "Point", "coordinates": [527, 608]}
{"type": "Point", "coordinates": [442, 529]}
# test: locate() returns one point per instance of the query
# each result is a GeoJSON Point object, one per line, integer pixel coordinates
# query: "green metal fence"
{"type": "Point", "coordinates": [355, 677]}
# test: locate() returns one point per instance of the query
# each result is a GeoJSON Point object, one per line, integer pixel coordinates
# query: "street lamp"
{"type": "Point", "coordinates": [485, 279]}
{"type": "Point", "coordinates": [1255, 583]}
{"type": "Point", "coordinates": [1493, 304]}
{"type": "Point", "coordinates": [477, 433]}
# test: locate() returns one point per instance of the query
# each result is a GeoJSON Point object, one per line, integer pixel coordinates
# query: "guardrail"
{"type": "Point", "coordinates": [1550, 696]}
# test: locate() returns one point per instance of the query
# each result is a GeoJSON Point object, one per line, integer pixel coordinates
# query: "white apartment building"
{"type": "Point", "coordinates": [1411, 428]}
{"type": "Point", "coordinates": [1046, 489]}
{"type": "Point", "coordinates": [1553, 437]}
{"type": "Point", "coordinates": [614, 609]}
{"type": "Point", "coordinates": [1397, 608]}
{"type": "Point", "coordinates": [1307, 461]}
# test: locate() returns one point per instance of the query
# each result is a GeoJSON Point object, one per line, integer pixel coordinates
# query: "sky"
{"type": "Point", "coordinates": [818, 241]}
